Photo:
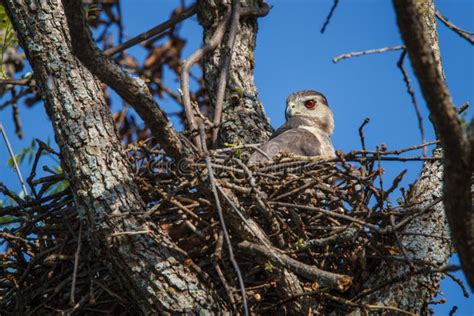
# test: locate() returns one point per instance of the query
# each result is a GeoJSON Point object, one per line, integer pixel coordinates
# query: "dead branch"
{"type": "Point", "coordinates": [366, 52]}
{"type": "Point", "coordinates": [153, 32]}
{"type": "Point", "coordinates": [411, 92]}
{"type": "Point", "coordinates": [224, 74]}
{"type": "Point", "coordinates": [328, 18]}
{"type": "Point", "coordinates": [468, 36]}
{"type": "Point", "coordinates": [188, 63]}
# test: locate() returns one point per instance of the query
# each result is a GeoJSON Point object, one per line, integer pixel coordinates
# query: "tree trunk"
{"type": "Point", "coordinates": [416, 20]}
{"type": "Point", "coordinates": [105, 194]}
{"type": "Point", "coordinates": [426, 238]}
{"type": "Point", "coordinates": [243, 117]}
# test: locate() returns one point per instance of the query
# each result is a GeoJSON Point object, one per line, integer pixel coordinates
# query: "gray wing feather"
{"type": "Point", "coordinates": [297, 141]}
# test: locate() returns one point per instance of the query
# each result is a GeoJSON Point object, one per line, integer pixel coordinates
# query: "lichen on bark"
{"type": "Point", "coordinates": [243, 118]}
{"type": "Point", "coordinates": [94, 160]}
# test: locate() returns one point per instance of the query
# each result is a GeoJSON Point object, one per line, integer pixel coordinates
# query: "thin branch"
{"type": "Point", "coordinates": [13, 158]}
{"type": "Point", "coordinates": [155, 31]}
{"type": "Point", "coordinates": [411, 92]}
{"type": "Point", "coordinates": [224, 75]}
{"type": "Point", "coordinates": [17, 82]}
{"type": "Point", "coordinates": [367, 52]}
{"type": "Point", "coordinates": [328, 18]}
{"type": "Point", "coordinates": [187, 64]}
{"type": "Point", "coordinates": [76, 264]}
{"type": "Point", "coordinates": [212, 182]}
{"type": "Point", "coordinates": [464, 34]}
{"type": "Point", "coordinates": [361, 132]}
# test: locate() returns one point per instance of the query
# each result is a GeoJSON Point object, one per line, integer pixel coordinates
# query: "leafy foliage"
{"type": "Point", "coordinates": [7, 38]}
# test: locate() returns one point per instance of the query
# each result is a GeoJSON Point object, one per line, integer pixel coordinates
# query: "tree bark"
{"type": "Point", "coordinates": [426, 238]}
{"type": "Point", "coordinates": [243, 117]}
{"type": "Point", "coordinates": [416, 21]}
{"type": "Point", "coordinates": [105, 194]}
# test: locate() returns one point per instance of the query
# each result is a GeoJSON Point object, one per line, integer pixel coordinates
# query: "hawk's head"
{"type": "Point", "coordinates": [311, 105]}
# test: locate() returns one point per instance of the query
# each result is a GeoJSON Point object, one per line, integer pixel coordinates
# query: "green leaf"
{"type": "Point", "coordinates": [7, 219]}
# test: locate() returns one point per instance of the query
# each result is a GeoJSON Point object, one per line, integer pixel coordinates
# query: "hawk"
{"type": "Point", "coordinates": [307, 131]}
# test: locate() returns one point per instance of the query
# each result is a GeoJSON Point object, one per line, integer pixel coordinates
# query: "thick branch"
{"type": "Point", "coordinates": [418, 37]}
{"type": "Point", "coordinates": [141, 256]}
{"type": "Point", "coordinates": [132, 90]}
{"type": "Point", "coordinates": [324, 278]}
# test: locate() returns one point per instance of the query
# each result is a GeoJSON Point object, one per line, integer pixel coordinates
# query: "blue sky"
{"type": "Point", "coordinates": [292, 55]}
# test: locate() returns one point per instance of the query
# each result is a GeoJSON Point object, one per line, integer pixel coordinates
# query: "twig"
{"type": "Point", "coordinates": [130, 233]}
{"type": "Point", "coordinates": [18, 82]}
{"type": "Point", "coordinates": [76, 264]}
{"type": "Point", "coordinates": [328, 18]}
{"type": "Point", "coordinates": [187, 64]}
{"type": "Point", "coordinates": [464, 34]}
{"type": "Point", "coordinates": [155, 31]}
{"type": "Point", "coordinates": [366, 52]}
{"type": "Point", "coordinates": [329, 213]}
{"type": "Point", "coordinates": [361, 132]}
{"type": "Point", "coordinates": [13, 158]}
{"type": "Point", "coordinates": [411, 92]}
{"type": "Point", "coordinates": [225, 64]}
{"type": "Point", "coordinates": [394, 152]}
{"type": "Point", "coordinates": [463, 107]}
{"type": "Point", "coordinates": [460, 283]}
{"type": "Point", "coordinates": [212, 181]}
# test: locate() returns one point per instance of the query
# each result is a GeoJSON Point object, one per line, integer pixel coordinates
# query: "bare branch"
{"type": "Point", "coordinates": [328, 18]}
{"type": "Point", "coordinates": [13, 158]}
{"type": "Point", "coordinates": [324, 278]}
{"type": "Point", "coordinates": [464, 34]}
{"type": "Point", "coordinates": [17, 82]}
{"type": "Point", "coordinates": [194, 58]}
{"type": "Point", "coordinates": [225, 64]}
{"type": "Point", "coordinates": [457, 153]}
{"type": "Point", "coordinates": [212, 181]}
{"type": "Point", "coordinates": [411, 92]}
{"type": "Point", "coordinates": [366, 52]}
{"type": "Point", "coordinates": [155, 31]}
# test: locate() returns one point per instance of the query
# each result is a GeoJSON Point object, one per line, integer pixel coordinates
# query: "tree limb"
{"type": "Point", "coordinates": [415, 32]}
{"type": "Point", "coordinates": [132, 90]}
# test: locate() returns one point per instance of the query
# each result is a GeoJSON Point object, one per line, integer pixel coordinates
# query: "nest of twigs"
{"type": "Point", "coordinates": [329, 223]}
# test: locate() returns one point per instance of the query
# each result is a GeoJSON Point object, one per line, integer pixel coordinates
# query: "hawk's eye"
{"type": "Point", "coordinates": [310, 104]}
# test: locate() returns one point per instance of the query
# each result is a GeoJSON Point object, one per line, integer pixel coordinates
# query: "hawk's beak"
{"type": "Point", "coordinates": [291, 109]}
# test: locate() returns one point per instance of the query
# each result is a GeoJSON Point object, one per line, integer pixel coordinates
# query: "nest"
{"type": "Point", "coordinates": [327, 223]}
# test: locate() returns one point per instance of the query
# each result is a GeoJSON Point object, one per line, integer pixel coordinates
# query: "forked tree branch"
{"type": "Point", "coordinates": [457, 153]}
{"type": "Point", "coordinates": [188, 63]}
{"type": "Point", "coordinates": [132, 90]}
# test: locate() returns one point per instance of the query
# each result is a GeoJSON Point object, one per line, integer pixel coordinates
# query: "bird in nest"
{"type": "Point", "coordinates": [306, 132]}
